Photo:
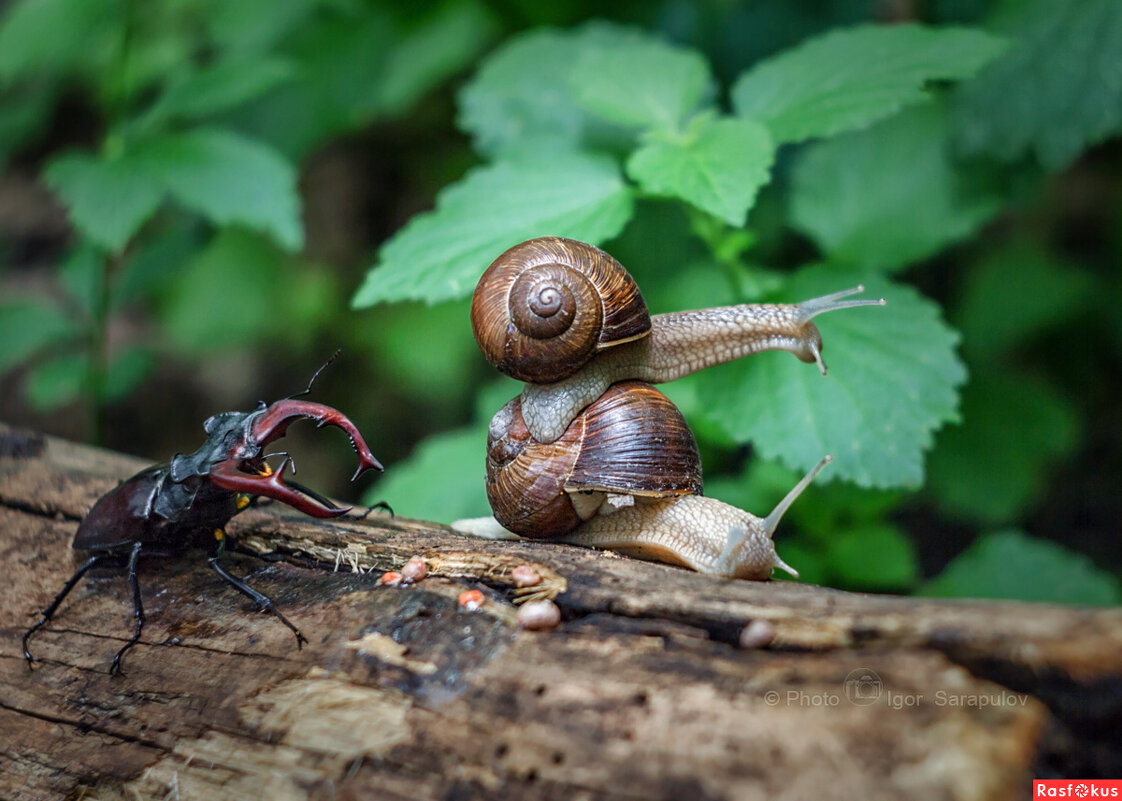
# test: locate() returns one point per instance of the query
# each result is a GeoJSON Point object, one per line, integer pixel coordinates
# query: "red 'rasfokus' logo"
{"type": "Point", "coordinates": [1077, 788]}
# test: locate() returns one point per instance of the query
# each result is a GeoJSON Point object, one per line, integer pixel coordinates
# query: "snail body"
{"type": "Point", "coordinates": [574, 458]}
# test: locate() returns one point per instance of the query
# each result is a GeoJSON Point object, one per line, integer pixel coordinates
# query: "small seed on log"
{"type": "Point", "coordinates": [538, 615]}
{"type": "Point", "coordinates": [414, 570]}
{"type": "Point", "coordinates": [525, 576]}
{"type": "Point", "coordinates": [757, 634]}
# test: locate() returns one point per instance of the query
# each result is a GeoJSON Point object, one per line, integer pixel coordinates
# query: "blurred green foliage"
{"type": "Point", "coordinates": [724, 153]}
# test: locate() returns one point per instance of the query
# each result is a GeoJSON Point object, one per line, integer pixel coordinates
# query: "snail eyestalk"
{"type": "Point", "coordinates": [771, 522]}
{"type": "Point", "coordinates": [766, 527]}
{"type": "Point", "coordinates": [809, 309]}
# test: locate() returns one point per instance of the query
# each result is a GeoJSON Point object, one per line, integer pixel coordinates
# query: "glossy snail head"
{"type": "Point", "coordinates": [546, 305]}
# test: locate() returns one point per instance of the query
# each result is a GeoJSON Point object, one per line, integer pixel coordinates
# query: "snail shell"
{"type": "Point", "coordinates": [546, 305]}
{"type": "Point", "coordinates": [632, 441]}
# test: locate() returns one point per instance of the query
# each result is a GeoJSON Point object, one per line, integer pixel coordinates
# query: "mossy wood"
{"type": "Point", "coordinates": [642, 692]}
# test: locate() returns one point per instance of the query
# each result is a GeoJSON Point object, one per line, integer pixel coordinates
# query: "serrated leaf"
{"type": "Point", "coordinates": [109, 198]}
{"type": "Point", "coordinates": [893, 380]}
{"type": "Point", "coordinates": [849, 79]}
{"type": "Point", "coordinates": [1057, 91]}
{"type": "Point", "coordinates": [440, 255]}
{"type": "Point", "coordinates": [993, 467]}
{"type": "Point", "coordinates": [889, 196]}
{"type": "Point", "coordinates": [718, 165]}
{"type": "Point", "coordinates": [1008, 564]}
{"type": "Point", "coordinates": [1014, 293]}
{"type": "Point", "coordinates": [442, 480]}
{"type": "Point", "coordinates": [220, 87]}
{"type": "Point", "coordinates": [58, 381]}
{"type": "Point", "coordinates": [28, 326]}
{"type": "Point", "coordinates": [228, 179]}
{"type": "Point", "coordinates": [640, 81]}
{"type": "Point", "coordinates": [522, 95]}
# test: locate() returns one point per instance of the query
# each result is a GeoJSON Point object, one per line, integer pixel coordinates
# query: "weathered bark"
{"type": "Point", "coordinates": [641, 693]}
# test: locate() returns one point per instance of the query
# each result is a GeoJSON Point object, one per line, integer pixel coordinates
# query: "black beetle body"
{"type": "Point", "coordinates": [186, 503]}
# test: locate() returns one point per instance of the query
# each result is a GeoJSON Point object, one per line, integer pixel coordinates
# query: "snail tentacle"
{"type": "Point", "coordinates": [682, 343]}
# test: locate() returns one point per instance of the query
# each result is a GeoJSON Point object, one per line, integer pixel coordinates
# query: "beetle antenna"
{"type": "Point", "coordinates": [315, 375]}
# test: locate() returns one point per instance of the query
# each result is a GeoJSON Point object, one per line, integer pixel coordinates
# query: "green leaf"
{"type": "Point", "coordinates": [23, 113]}
{"type": "Point", "coordinates": [109, 198]}
{"type": "Point", "coordinates": [1015, 293]}
{"type": "Point", "coordinates": [82, 273]}
{"type": "Point", "coordinates": [849, 79]}
{"type": "Point", "coordinates": [1056, 92]}
{"type": "Point", "coordinates": [126, 371]}
{"type": "Point", "coordinates": [153, 261]}
{"type": "Point", "coordinates": [889, 196]}
{"type": "Point", "coordinates": [241, 290]}
{"type": "Point", "coordinates": [441, 45]}
{"type": "Point", "coordinates": [717, 165]}
{"type": "Point", "coordinates": [412, 360]}
{"type": "Point", "coordinates": [443, 479]}
{"type": "Point", "coordinates": [250, 26]}
{"type": "Point", "coordinates": [220, 87]}
{"type": "Point", "coordinates": [55, 34]}
{"type": "Point", "coordinates": [640, 81]}
{"type": "Point", "coordinates": [993, 467]}
{"type": "Point", "coordinates": [229, 179]}
{"type": "Point", "coordinates": [440, 255]}
{"type": "Point", "coordinates": [58, 381]}
{"type": "Point", "coordinates": [1009, 564]}
{"type": "Point", "coordinates": [222, 298]}
{"type": "Point", "coordinates": [521, 96]}
{"type": "Point", "coordinates": [340, 62]}
{"type": "Point", "coordinates": [805, 557]}
{"type": "Point", "coordinates": [27, 327]}
{"type": "Point", "coordinates": [892, 382]}
{"type": "Point", "coordinates": [876, 557]}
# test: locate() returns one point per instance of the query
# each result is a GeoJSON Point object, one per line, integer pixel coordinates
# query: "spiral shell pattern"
{"type": "Point", "coordinates": [545, 306]}
{"type": "Point", "coordinates": [632, 440]}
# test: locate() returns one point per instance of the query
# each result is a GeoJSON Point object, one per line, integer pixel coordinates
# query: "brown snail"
{"type": "Point", "coordinates": [590, 453]}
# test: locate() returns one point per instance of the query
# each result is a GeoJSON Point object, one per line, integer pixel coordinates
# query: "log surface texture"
{"type": "Point", "coordinates": [641, 693]}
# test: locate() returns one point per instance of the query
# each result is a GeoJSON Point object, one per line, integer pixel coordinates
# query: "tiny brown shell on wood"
{"type": "Point", "coordinates": [545, 306]}
{"type": "Point", "coordinates": [632, 440]}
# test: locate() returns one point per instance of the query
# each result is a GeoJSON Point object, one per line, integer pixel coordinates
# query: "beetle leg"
{"type": "Point", "coordinates": [49, 612]}
{"type": "Point", "coordinates": [385, 507]}
{"type": "Point", "coordinates": [261, 599]}
{"type": "Point", "coordinates": [137, 610]}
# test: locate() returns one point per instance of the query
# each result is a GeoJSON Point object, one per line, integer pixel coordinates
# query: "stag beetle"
{"type": "Point", "coordinates": [187, 502]}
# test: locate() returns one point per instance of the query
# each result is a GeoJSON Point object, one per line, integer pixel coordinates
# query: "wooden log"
{"type": "Point", "coordinates": [642, 692]}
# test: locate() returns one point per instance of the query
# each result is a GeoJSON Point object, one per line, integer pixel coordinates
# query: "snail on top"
{"type": "Point", "coordinates": [590, 453]}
